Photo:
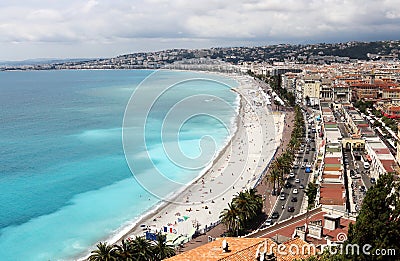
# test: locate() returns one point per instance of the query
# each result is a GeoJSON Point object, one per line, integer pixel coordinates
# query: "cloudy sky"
{"type": "Point", "coordinates": [106, 28]}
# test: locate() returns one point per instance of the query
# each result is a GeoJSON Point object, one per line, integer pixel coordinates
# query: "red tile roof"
{"type": "Point", "coordinates": [382, 151]}
{"type": "Point", "coordinates": [295, 249]}
{"type": "Point", "coordinates": [241, 249]}
{"type": "Point", "coordinates": [287, 228]}
{"type": "Point", "coordinates": [344, 228]}
{"type": "Point", "coordinates": [392, 90]}
{"type": "Point", "coordinates": [331, 176]}
{"type": "Point", "coordinates": [332, 160]}
{"type": "Point", "coordinates": [332, 194]}
{"type": "Point", "coordinates": [389, 165]}
{"type": "Point", "coordinates": [245, 249]}
{"type": "Point", "coordinates": [332, 167]}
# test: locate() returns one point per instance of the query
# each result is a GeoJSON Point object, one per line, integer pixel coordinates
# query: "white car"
{"type": "Point", "coordinates": [291, 175]}
{"type": "Point", "coordinates": [297, 180]}
{"type": "Point", "coordinates": [295, 191]}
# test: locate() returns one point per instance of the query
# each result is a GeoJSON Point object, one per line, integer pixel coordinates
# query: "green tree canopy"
{"type": "Point", "coordinates": [378, 223]}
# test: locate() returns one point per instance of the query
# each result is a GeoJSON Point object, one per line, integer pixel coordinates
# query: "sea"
{"type": "Point", "coordinates": [80, 150]}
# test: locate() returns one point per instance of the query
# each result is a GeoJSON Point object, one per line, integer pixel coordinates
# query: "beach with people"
{"type": "Point", "coordinates": [239, 166]}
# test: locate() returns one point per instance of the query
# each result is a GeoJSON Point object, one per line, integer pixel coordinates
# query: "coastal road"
{"type": "Point", "coordinates": [303, 158]}
{"type": "Point", "coordinates": [304, 178]}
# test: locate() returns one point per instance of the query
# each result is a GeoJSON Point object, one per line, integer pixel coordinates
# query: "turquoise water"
{"type": "Point", "coordinates": [65, 183]}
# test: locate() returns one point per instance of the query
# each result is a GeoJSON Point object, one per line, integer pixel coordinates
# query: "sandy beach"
{"type": "Point", "coordinates": [239, 166]}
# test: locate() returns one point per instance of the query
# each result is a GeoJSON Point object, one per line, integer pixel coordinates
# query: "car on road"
{"type": "Point", "coordinates": [301, 186]}
{"type": "Point", "coordinates": [275, 215]}
{"type": "Point", "coordinates": [282, 196]}
{"type": "Point", "coordinates": [291, 175]}
{"type": "Point", "coordinates": [305, 160]}
{"type": "Point", "coordinates": [303, 166]}
{"type": "Point", "coordinates": [297, 180]}
{"type": "Point", "coordinates": [295, 191]}
{"type": "Point", "coordinates": [366, 165]}
{"type": "Point", "coordinates": [269, 222]}
{"type": "Point", "coordinates": [294, 199]}
{"type": "Point", "coordinates": [373, 180]}
{"type": "Point", "coordinates": [352, 172]}
{"type": "Point", "coordinates": [290, 209]}
{"type": "Point", "coordinates": [288, 185]}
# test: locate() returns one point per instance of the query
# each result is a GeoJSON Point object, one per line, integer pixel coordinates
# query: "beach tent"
{"type": "Point", "coordinates": [169, 229]}
{"type": "Point", "coordinates": [151, 236]}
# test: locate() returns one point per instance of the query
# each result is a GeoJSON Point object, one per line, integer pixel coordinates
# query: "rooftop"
{"type": "Point", "coordinates": [287, 228]}
{"type": "Point", "coordinates": [389, 165]}
{"type": "Point", "coordinates": [332, 194]}
{"type": "Point", "coordinates": [245, 249]}
{"type": "Point", "coordinates": [332, 160]}
{"type": "Point", "coordinates": [239, 249]}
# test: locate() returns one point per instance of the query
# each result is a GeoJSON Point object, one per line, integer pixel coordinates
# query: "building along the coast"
{"type": "Point", "coordinates": [331, 191]}
{"type": "Point", "coordinates": [341, 93]}
{"type": "Point", "coordinates": [318, 227]}
{"type": "Point", "coordinates": [376, 153]}
{"type": "Point", "coordinates": [247, 249]}
{"type": "Point", "coordinates": [288, 81]}
{"type": "Point", "coordinates": [379, 157]}
{"type": "Point", "coordinates": [311, 89]}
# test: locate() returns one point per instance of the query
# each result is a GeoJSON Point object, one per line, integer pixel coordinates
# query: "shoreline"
{"type": "Point", "coordinates": [174, 195]}
{"type": "Point", "coordinates": [244, 122]}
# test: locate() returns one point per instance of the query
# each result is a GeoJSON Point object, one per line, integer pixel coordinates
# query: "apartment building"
{"type": "Point", "coordinates": [288, 81]}
{"type": "Point", "coordinates": [311, 86]}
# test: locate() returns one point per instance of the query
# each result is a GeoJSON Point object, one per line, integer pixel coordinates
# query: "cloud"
{"type": "Point", "coordinates": [211, 22]}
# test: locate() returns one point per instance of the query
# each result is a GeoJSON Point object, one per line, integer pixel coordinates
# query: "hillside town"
{"type": "Point", "coordinates": [351, 112]}
{"type": "Point", "coordinates": [323, 53]}
{"type": "Point", "coordinates": [350, 105]}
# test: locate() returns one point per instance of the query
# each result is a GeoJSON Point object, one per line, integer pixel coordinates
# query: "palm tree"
{"type": "Point", "coordinates": [245, 207]}
{"type": "Point", "coordinates": [283, 167]}
{"type": "Point", "coordinates": [142, 249]}
{"type": "Point", "coordinates": [124, 251]}
{"type": "Point", "coordinates": [255, 199]}
{"type": "Point", "coordinates": [230, 217]}
{"type": "Point", "coordinates": [104, 252]}
{"type": "Point", "coordinates": [161, 250]}
{"type": "Point", "coordinates": [274, 175]}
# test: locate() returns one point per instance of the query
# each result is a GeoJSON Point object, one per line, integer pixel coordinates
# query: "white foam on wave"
{"type": "Point", "coordinates": [129, 225]}
{"type": "Point", "coordinates": [99, 134]}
